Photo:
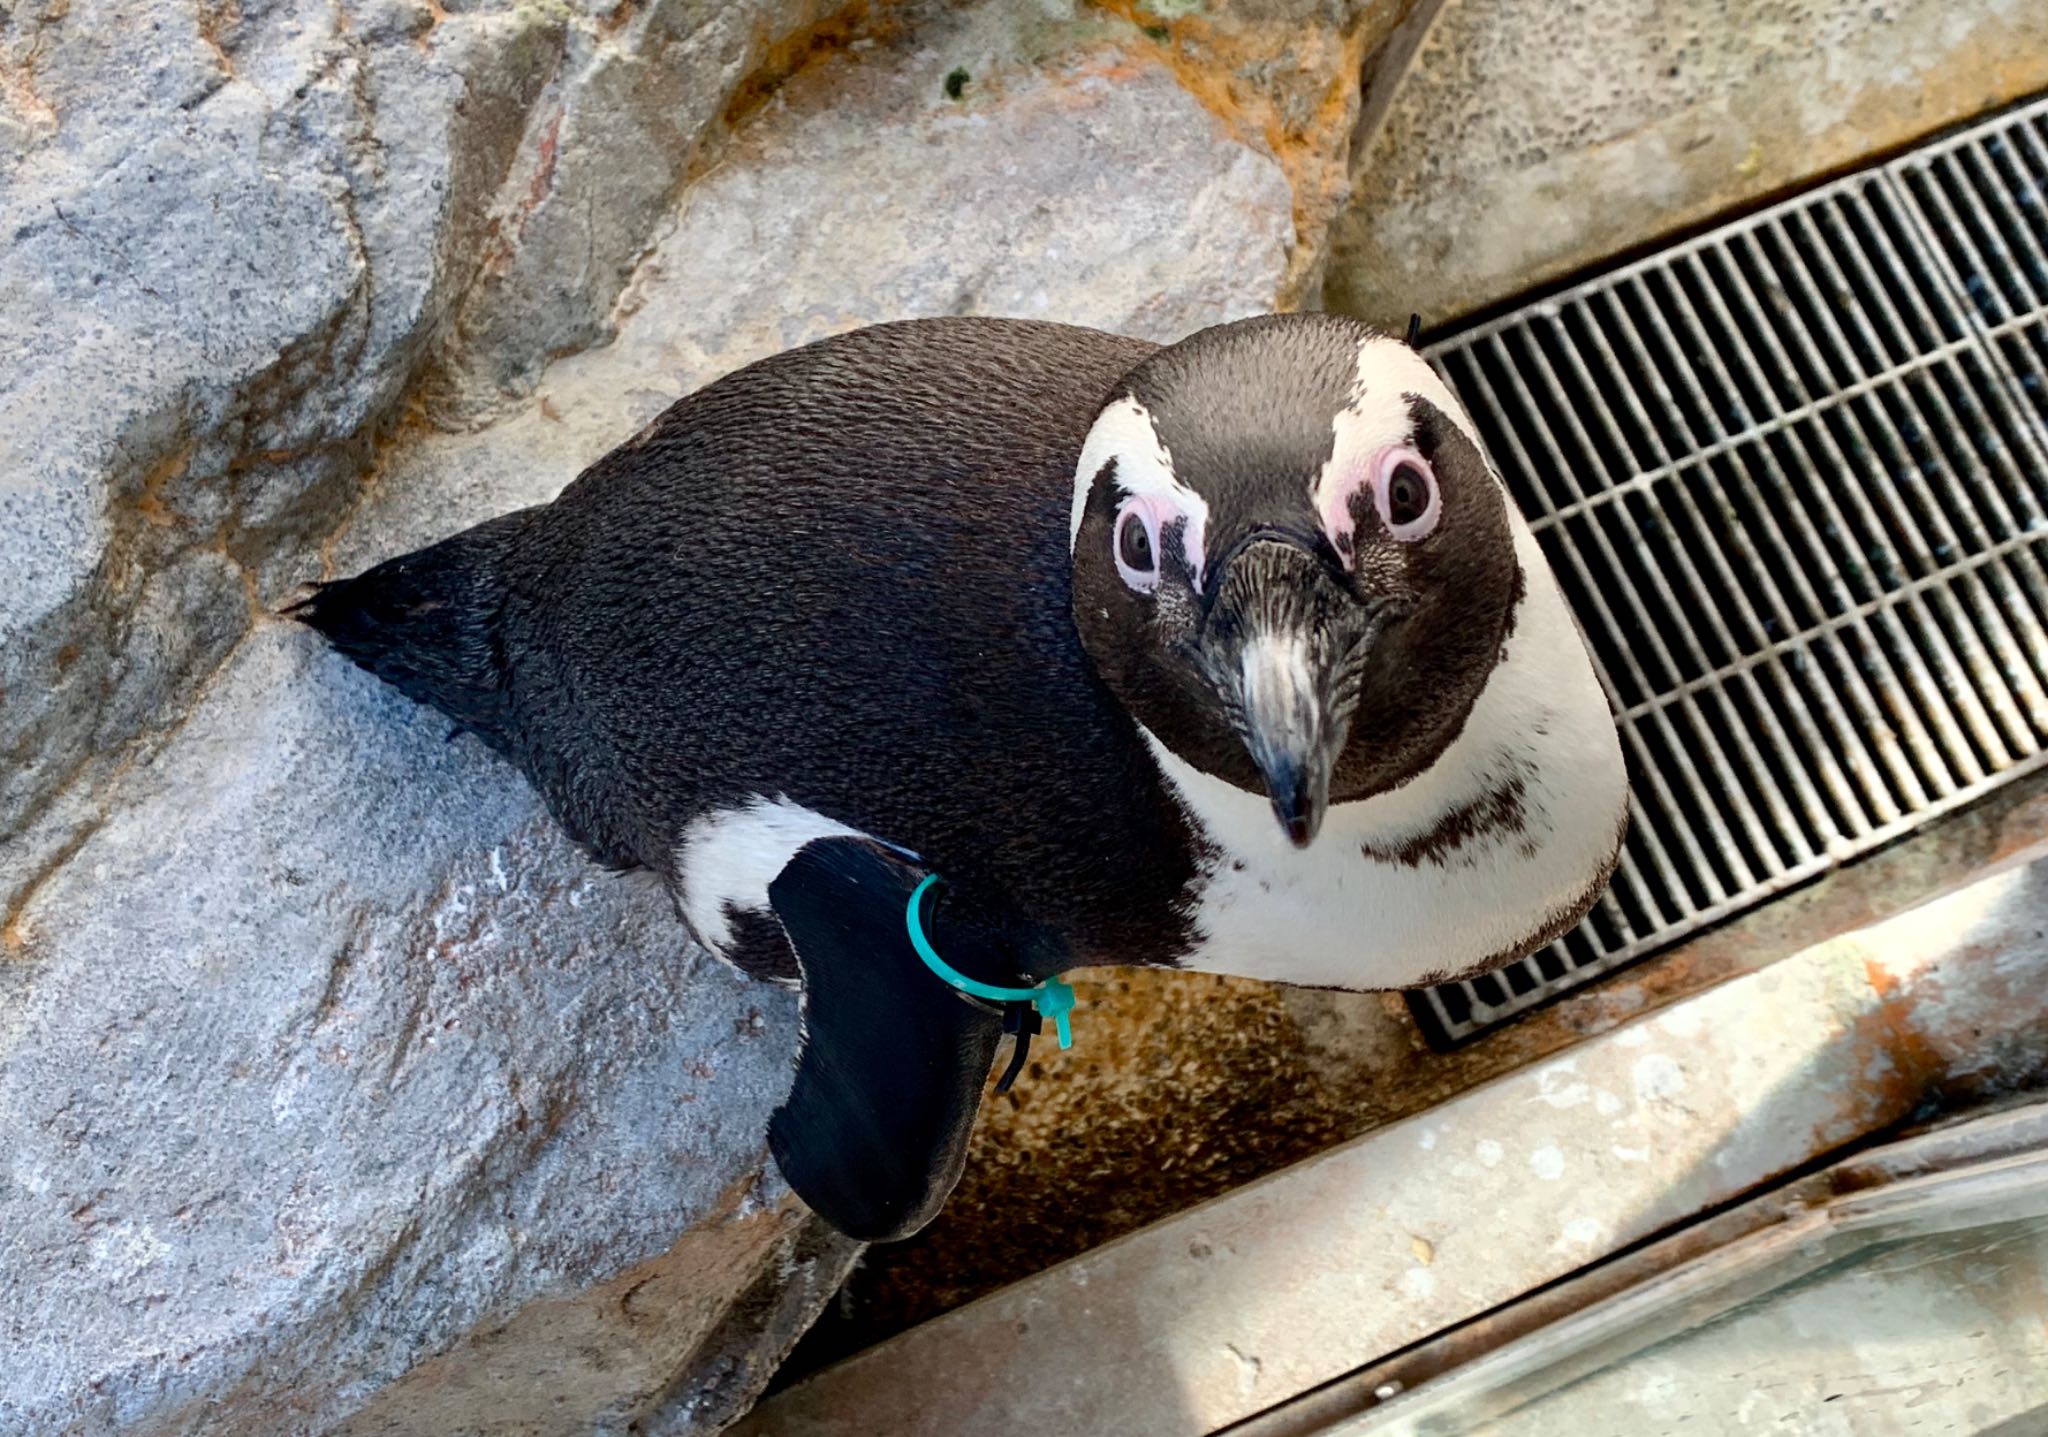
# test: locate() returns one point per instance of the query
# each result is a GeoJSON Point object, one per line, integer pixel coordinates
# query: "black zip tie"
{"type": "Point", "coordinates": [1022, 1022]}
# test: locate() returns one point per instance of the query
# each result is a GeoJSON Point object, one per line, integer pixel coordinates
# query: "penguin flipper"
{"type": "Point", "coordinates": [874, 1132]}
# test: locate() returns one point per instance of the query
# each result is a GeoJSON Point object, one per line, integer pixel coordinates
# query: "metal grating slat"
{"type": "Point", "coordinates": [1792, 475]}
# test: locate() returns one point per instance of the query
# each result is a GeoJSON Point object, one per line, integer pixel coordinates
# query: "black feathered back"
{"type": "Point", "coordinates": [839, 576]}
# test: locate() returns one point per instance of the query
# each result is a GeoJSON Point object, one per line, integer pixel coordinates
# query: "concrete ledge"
{"type": "Point", "coordinates": [1559, 1342]}
{"type": "Point", "coordinates": [1245, 1302]}
{"type": "Point", "coordinates": [1528, 141]}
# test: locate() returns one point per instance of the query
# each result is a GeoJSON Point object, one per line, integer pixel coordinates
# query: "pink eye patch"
{"type": "Point", "coordinates": [1405, 496]}
{"type": "Point", "coordinates": [1143, 523]}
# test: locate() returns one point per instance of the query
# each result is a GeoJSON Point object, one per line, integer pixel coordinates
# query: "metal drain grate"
{"type": "Point", "coordinates": [1792, 476]}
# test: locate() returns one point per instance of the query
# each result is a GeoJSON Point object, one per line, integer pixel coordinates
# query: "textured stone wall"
{"type": "Point", "coordinates": [336, 1092]}
{"type": "Point", "coordinates": [1529, 139]}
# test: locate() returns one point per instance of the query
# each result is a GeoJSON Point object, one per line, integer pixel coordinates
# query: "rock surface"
{"type": "Point", "coordinates": [252, 232]}
{"type": "Point", "coordinates": [336, 1092]}
{"type": "Point", "coordinates": [1528, 141]}
{"type": "Point", "coordinates": [320, 1068]}
{"type": "Point", "coordinates": [1284, 75]}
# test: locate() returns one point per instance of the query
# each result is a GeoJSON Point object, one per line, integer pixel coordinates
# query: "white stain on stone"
{"type": "Point", "coordinates": [1658, 1078]}
{"type": "Point", "coordinates": [1560, 1086]}
{"type": "Point", "coordinates": [31, 1177]}
{"type": "Point", "coordinates": [1418, 1283]}
{"type": "Point", "coordinates": [1488, 1152]}
{"type": "Point", "coordinates": [1630, 1155]}
{"type": "Point", "coordinates": [1632, 1037]}
{"type": "Point", "coordinates": [1680, 1022]}
{"type": "Point", "coordinates": [1426, 1139]}
{"type": "Point", "coordinates": [1547, 1163]}
{"type": "Point", "coordinates": [1606, 1104]}
{"type": "Point", "coordinates": [1583, 1232]}
{"type": "Point", "coordinates": [126, 1248]}
{"type": "Point", "coordinates": [1657, 1389]}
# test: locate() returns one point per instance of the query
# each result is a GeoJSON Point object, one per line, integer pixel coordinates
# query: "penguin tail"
{"type": "Point", "coordinates": [427, 623]}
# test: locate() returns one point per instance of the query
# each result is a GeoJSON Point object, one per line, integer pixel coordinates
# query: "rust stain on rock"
{"type": "Point", "coordinates": [781, 58]}
{"type": "Point", "coordinates": [1901, 1070]}
{"type": "Point", "coordinates": [543, 169]}
{"type": "Point", "coordinates": [1882, 982]}
{"type": "Point", "coordinates": [1288, 86]}
{"type": "Point", "coordinates": [150, 503]}
{"type": "Point", "coordinates": [18, 90]}
{"type": "Point", "coordinates": [217, 26]}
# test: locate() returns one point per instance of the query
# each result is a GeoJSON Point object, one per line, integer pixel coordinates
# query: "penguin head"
{"type": "Point", "coordinates": [1292, 563]}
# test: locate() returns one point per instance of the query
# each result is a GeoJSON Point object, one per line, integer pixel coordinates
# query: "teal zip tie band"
{"type": "Point", "coordinates": [1053, 998]}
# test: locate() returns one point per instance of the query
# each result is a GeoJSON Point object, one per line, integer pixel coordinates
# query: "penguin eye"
{"type": "Point", "coordinates": [1407, 495]}
{"type": "Point", "coordinates": [1137, 547]}
{"type": "Point", "coordinates": [1409, 503]}
{"type": "Point", "coordinates": [1134, 547]}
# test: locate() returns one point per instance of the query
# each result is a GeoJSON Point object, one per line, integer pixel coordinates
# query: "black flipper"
{"type": "Point", "coordinates": [874, 1132]}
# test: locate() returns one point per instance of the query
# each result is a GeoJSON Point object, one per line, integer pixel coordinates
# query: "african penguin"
{"type": "Point", "coordinates": [1230, 654]}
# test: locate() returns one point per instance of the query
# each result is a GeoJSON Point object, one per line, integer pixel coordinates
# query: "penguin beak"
{"type": "Point", "coordinates": [1284, 647]}
{"type": "Point", "coordinates": [1289, 731]}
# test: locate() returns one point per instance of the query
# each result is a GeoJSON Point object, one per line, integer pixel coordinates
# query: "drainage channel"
{"type": "Point", "coordinates": [1793, 477]}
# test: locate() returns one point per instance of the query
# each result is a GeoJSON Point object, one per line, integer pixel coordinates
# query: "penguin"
{"type": "Point", "coordinates": [1033, 647]}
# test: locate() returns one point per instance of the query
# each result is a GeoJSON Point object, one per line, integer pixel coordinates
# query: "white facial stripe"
{"type": "Point", "coordinates": [1124, 432]}
{"type": "Point", "coordinates": [1377, 417]}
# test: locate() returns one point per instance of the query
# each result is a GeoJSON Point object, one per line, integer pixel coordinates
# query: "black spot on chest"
{"type": "Point", "coordinates": [1498, 812]}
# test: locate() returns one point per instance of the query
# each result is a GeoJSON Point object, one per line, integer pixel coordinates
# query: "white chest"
{"type": "Point", "coordinates": [1466, 865]}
